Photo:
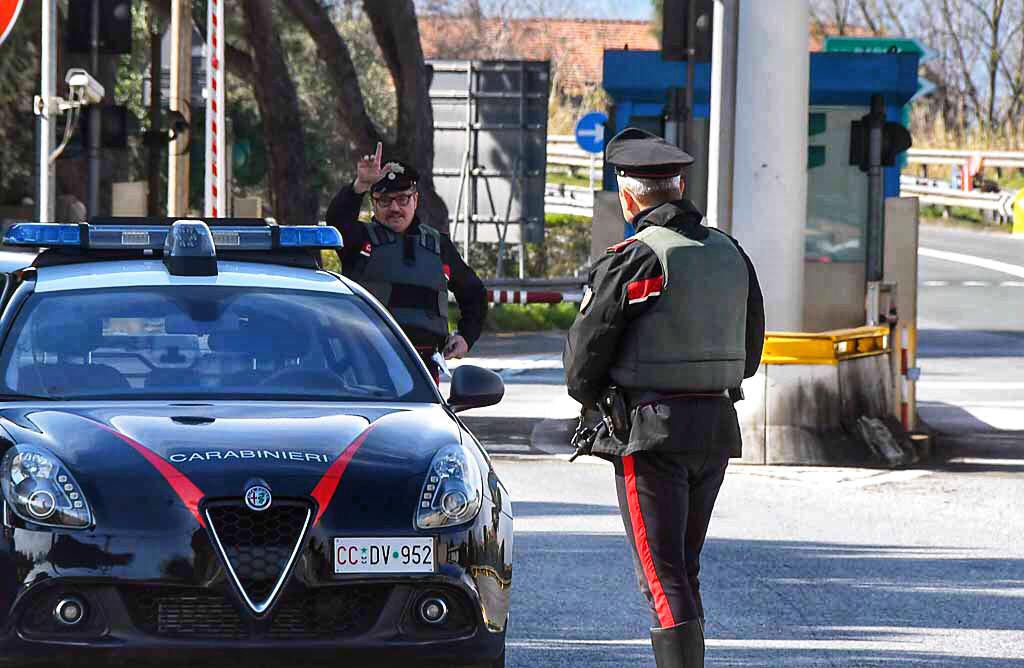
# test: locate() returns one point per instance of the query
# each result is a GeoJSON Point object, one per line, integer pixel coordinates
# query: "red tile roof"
{"type": "Point", "coordinates": [575, 46]}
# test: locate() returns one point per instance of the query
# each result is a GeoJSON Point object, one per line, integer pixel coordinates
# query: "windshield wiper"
{"type": "Point", "coordinates": [26, 397]}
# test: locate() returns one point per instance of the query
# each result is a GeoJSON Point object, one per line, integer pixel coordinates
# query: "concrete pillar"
{"type": "Point", "coordinates": [770, 170]}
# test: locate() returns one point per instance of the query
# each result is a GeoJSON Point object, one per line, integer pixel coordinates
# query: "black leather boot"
{"type": "Point", "coordinates": [679, 646]}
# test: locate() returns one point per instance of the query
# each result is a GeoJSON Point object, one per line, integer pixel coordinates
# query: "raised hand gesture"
{"type": "Point", "coordinates": [368, 170]}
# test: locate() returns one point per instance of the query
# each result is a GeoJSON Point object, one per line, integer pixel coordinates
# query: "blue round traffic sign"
{"type": "Point", "coordinates": [590, 132]}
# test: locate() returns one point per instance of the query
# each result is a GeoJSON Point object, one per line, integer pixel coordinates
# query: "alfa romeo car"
{"type": "Point", "coordinates": [212, 450]}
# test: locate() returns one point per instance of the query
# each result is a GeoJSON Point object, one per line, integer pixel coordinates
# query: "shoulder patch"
{"type": "Point", "coordinates": [622, 245]}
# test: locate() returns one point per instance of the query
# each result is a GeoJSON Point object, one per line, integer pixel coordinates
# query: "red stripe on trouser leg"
{"type": "Point", "coordinates": [643, 548]}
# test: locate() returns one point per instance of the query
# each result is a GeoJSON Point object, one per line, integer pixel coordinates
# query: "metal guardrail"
{"type": "Point", "coordinates": [825, 347]}
{"type": "Point", "coordinates": [929, 192]}
{"type": "Point", "coordinates": [572, 200]}
{"type": "Point", "coordinates": [933, 156]}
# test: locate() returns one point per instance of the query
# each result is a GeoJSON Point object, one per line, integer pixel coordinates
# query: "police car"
{"type": "Point", "coordinates": [212, 449]}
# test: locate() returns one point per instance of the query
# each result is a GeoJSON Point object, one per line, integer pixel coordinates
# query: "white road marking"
{"type": "Point", "coordinates": [968, 385]}
{"type": "Point", "coordinates": [935, 284]}
{"type": "Point", "coordinates": [985, 263]}
{"type": "Point", "coordinates": [975, 284]}
{"type": "Point", "coordinates": [941, 642]}
{"type": "Point", "coordinates": [1011, 284]}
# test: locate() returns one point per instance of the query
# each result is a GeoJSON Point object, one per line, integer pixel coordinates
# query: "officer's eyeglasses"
{"type": "Point", "coordinates": [384, 201]}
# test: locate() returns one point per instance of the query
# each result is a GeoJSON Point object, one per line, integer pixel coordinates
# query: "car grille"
{"type": "Point", "coordinates": [335, 612]}
{"type": "Point", "coordinates": [258, 545]}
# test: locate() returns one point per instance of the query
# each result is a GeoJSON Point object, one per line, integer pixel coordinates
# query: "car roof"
{"type": "Point", "coordinates": [144, 273]}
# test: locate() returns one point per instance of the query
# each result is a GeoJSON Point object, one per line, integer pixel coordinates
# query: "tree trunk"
{"type": "Point", "coordinates": [279, 111]}
{"type": "Point", "coordinates": [397, 32]}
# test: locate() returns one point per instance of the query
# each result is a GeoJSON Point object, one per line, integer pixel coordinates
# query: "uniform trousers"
{"type": "Point", "coordinates": [666, 501]}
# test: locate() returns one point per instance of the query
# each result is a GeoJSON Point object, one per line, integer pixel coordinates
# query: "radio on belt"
{"type": "Point", "coordinates": [189, 246]}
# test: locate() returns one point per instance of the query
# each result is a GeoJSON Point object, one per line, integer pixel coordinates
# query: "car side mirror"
{"type": "Point", "coordinates": [475, 387]}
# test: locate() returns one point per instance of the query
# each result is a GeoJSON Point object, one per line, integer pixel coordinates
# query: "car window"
{"type": "Point", "coordinates": [213, 342]}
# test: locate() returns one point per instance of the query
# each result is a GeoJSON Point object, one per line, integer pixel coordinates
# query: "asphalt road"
{"type": "Point", "coordinates": [849, 568]}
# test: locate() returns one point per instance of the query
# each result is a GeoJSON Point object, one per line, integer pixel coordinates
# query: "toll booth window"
{"type": "Point", "coordinates": [223, 343]}
{"type": "Point", "coordinates": [837, 192]}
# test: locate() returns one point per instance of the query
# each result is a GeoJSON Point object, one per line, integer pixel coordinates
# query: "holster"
{"type": "Point", "coordinates": [615, 413]}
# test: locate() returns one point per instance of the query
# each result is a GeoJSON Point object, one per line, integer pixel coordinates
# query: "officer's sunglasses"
{"type": "Point", "coordinates": [384, 201]}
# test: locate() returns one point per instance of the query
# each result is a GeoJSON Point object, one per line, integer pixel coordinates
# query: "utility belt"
{"type": "Point", "coordinates": [616, 407]}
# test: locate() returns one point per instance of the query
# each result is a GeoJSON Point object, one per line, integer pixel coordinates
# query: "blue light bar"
{"type": "Point", "coordinates": [310, 236]}
{"type": "Point", "coordinates": [154, 237]}
{"type": "Point", "coordinates": [42, 234]}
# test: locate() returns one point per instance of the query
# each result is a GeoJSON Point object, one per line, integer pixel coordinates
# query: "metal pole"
{"type": "Point", "coordinates": [46, 200]}
{"type": "Point", "coordinates": [691, 55]}
{"type": "Point", "coordinates": [722, 141]}
{"type": "Point", "coordinates": [876, 192]}
{"type": "Point", "coordinates": [181, 90]}
{"type": "Point", "coordinates": [95, 113]}
{"type": "Point", "coordinates": [153, 161]}
{"type": "Point", "coordinates": [470, 183]}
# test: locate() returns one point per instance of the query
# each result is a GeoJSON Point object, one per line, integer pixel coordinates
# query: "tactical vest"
{"type": "Point", "coordinates": [694, 338]}
{"type": "Point", "coordinates": [414, 290]}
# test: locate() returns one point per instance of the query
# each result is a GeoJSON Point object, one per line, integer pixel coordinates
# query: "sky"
{"type": "Point", "coordinates": [613, 9]}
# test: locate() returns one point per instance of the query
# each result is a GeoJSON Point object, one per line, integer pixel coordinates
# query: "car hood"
{"type": "Point", "coordinates": [145, 455]}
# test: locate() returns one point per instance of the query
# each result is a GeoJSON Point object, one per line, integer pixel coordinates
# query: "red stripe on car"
{"type": "Point", "coordinates": [639, 291]}
{"type": "Point", "coordinates": [447, 268]}
{"type": "Point", "coordinates": [190, 494]}
{"type": "Point", "coordinates": [643, 548]}
{"type": "Point", "coordinates": [328, 485]}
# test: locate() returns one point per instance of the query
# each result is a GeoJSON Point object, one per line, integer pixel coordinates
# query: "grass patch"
{"type": "Point", "coordinates": [566, 179]}
{"type": "Point", "coordinates": [523, 317]}
{"type": "Point", "coordinates": [961, 217]}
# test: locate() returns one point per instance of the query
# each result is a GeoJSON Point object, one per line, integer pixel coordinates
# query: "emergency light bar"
{"type": "Point", "coordinates": [92, 236]}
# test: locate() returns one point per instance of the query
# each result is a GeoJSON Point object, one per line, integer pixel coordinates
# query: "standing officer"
{"type": "Point", "coordinates": [670, 325]}
{"type": "Point", "coordinates": [406, 264]}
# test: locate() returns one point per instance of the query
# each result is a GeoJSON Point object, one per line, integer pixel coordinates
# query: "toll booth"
{"type": "Point", "coordinates": [640, 84]}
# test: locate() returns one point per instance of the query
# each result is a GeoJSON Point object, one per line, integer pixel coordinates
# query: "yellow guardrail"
{"type": "Point", "coordinates": [824, 347]}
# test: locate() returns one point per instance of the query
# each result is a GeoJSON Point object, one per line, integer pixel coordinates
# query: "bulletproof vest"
{"type": "Point", "coordinates": [412, 285]}
{"type": "Point", "coordinates": [694, 337]}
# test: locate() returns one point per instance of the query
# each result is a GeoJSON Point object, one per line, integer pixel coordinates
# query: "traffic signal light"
{"type": "Point", "coordinates": [895, 140]}
{"type": "Point", "coordinates": [675, 24]}
{"type": "Point", "coordinates": [115, 26]}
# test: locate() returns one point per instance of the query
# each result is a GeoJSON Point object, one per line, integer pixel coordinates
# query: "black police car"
{"type": "Point", "coordinates": [212, 450]}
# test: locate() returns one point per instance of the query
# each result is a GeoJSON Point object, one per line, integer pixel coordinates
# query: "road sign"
{"type": "Point", "coordinates": [879, 45]}
{"type": "Point", "coordinates": [9, 10]}
{"type": "Point", "coordinates": [590, 132]}
{"type": "Point", "coordinates": [1010, 201]}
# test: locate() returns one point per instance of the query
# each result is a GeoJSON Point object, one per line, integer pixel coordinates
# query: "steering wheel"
{"type": "Point", "coordinates": [317, 378]}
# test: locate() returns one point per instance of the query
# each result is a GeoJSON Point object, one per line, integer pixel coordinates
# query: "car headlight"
{"type": "Point", "coordinates": [453, 490]}
{"type": "Point", "coordinates": [40, 489]}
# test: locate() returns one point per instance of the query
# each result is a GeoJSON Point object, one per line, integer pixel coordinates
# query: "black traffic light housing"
{"type": "Point", "coordinates": [675, 23]}
{"type": "Point", "coordinates": [895, 140]}
{"type": "Point", "coordinates": [115, 26]}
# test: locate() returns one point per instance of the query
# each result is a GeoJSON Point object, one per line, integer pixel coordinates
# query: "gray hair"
{"type": "Point", "coordinates": [649, 188]}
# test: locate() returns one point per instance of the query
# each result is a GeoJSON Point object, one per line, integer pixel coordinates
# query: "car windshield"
{"type": "Point", "coordinates": [207, 343]}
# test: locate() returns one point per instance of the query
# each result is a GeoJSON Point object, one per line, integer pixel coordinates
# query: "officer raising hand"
{"type": "Point", "coordinates": [406, 264]}
{"type": "Point", "coordinates": [670, 325]}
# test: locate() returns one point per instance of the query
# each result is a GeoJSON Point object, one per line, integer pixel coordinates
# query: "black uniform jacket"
{"type": "Point", "coordinates": [670, 424]}
{"type": "Point", "coordinates": [343, 213]}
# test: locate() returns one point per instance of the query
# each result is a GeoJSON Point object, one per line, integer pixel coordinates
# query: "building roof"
{"type": "Point", "coordinates": [575, 46]}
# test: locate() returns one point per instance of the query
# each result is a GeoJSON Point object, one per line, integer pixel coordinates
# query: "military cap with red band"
{"type": "Point", "coordinates": [643, 155]}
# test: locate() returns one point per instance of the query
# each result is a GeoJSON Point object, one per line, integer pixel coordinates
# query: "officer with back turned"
{"type": "Point", "coordinates": [406, 264]}
{"type": "Point", "coordinates": [670, 325]}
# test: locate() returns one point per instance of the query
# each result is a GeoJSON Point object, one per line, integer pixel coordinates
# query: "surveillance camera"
{"type": "Point", "coordinates": [79, 79]}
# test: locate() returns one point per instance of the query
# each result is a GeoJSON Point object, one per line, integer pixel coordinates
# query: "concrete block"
{"type": "Point", "coordinates": [751, 414]}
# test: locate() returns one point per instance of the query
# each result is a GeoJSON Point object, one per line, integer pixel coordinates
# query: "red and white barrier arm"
{"type": "Point", "coordinates": [216, 131]}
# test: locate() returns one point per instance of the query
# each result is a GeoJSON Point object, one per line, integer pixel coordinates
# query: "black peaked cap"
{"type": "Point", "coordinates": [638, 153]}
{"type": "Point", "coordinates": [397, 175]}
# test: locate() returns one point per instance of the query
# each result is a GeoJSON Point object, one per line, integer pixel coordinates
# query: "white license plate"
{"type": "Point", "coordinates": [383, 555]}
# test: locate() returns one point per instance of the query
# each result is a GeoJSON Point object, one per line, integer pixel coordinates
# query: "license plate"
{"type": "Point", "coordinates": [383, 555]}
